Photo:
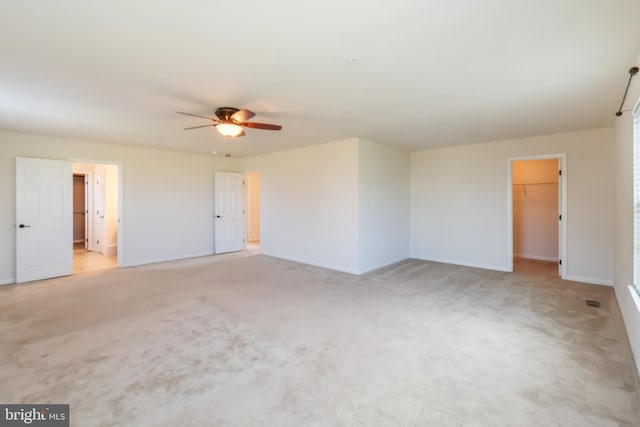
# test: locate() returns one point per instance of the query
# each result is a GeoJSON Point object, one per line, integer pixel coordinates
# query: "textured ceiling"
{"type": "Point", "coordinates": [411, 73]}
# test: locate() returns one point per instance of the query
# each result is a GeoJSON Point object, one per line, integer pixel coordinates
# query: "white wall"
{"type": "Point", "coordinates": [535, 209]}
{"type": "Point", "coordinates": [624, 220]}
{"type": "Point", "coordinates": [342, 205]}
{"type": "Point", "coordinates": [168, 196]}
{"type": "Point", "coordinates": [309, 204]}
{"type": "Point", "coordinates": [459, 202]}
{"type": "Point", "coordinates": [383, 205]}
{"type": "Point", "coordinates": [111, 208]}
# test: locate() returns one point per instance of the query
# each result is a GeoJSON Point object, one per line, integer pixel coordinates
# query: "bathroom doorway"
{"type": "Point", "coordinates": [96, 216]}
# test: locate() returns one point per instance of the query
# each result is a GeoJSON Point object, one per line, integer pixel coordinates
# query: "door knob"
{"type": "Point", "coordinates": [24, 226]}
{"type": "Point", "coordinates": [218, 216]}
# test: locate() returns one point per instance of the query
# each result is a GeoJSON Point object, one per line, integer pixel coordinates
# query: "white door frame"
{"type": "Point", "coordinates": [562, 207]}
{"type": "Point", "coordinates": [121, 251]}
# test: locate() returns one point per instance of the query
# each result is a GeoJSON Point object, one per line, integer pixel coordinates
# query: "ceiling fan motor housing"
{"type": "Point", "coordinates": [225, 113]}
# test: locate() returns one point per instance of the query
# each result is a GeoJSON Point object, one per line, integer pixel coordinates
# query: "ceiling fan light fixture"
{"type": "Point", "coordinates": [229, 129]}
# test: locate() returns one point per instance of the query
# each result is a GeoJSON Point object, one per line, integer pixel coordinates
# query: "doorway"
{"type": "Point", "coordinates": [80, 210]}
{"type": "Point", "coordinates": [95, 240]}
{"type": "Point", "coordinates": [537, 212]}
{"type": "Point", "coordinates": [45, 223]}
{"type": "Point", "coordinates": [253, 210]}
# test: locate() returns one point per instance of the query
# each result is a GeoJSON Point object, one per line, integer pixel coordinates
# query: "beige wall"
{"type": "Point", "coordinates": [535, 171]}
{"type": "Point", "coordinates": [253, 207]}
{"type": "Point", "coordinates": [535, 209]}
{"type": "Point", "coordinates": [459, 202]}
{"type": "Point", "coordinates": [168, 196]}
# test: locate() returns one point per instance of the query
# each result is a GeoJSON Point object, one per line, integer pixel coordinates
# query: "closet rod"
{"type": "Point", "coordinates": [536, 183]}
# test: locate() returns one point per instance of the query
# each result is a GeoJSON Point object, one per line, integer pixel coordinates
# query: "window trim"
{"type": "Point", "coordinates": [636, 198]}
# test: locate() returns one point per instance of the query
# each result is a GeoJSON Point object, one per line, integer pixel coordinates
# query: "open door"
{"type": "Point", "coordinates": [229, 212]}
{"type": "Point", "coordinates": [99, 206]}
{"type": "Point", "coordinates": [44, 219]}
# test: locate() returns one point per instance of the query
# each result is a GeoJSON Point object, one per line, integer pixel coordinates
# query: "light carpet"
{"type": "Point", "coordinates": [258, 341]}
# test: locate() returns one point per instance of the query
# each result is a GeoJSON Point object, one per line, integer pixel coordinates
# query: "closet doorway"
{"type": "Point", "coordinates": [537, 212]}
{"type": "Point", "coordinates": [80, 210]}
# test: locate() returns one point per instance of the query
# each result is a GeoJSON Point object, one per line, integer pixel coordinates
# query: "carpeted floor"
{"type": "Point", "coordinates": [257, 341]}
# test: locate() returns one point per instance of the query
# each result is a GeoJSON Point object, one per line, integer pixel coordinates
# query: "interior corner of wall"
{"type": "Point", "coordinates": [7, 281]}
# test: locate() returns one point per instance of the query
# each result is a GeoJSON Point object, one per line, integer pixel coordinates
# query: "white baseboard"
{"type": "Point", "coordinates": [536, 257]}
{"type": "Point", "coordinates": [589, 280]}
{"type": "Point", "coordinates": [311, 262]}
{"type": "Point", "coordinates": [354, 271]}
{"type": "Point", "coordinates": [7, 281]}
{"type": "Point", "coordinates": [463, 263]}
{"type": "Point", "coordinates": [157, 260]}
{"type": "Point", "coordinates": [382, 265]}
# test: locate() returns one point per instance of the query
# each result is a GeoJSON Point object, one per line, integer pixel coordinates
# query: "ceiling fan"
{"type": "Point", "coordinates": [230, 121]}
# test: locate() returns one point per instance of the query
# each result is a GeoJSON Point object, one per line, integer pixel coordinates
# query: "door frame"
{"type": "Point", "coordinates": [562, 207]}
{"type": "Point", "coordinates": [88, 223]}
{"type": "Point", "coordinates": [120, 255]}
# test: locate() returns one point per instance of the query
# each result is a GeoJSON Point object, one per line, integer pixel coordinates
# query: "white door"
{"type": "Point", "coordinates": [229, 212]}
{"type": "Point", "coordinates": [44, 219]}
{"type": "Point", "coordinates": [98, 212]}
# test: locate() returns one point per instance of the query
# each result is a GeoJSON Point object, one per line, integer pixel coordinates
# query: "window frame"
{"type": "Point", "coordinates": [636, 198]}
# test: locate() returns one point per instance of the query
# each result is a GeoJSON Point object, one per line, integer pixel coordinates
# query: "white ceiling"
{"type": "Point", "coordinates": [410, 73]}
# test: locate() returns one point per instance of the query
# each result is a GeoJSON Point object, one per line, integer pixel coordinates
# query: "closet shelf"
{"type": "Point", "coordinates": [524, 186]}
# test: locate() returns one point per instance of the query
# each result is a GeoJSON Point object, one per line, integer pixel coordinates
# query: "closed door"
{"type": "Point", "coordinates": [229, 212]}
{"type": "Point", "coordinates": [44, 220]}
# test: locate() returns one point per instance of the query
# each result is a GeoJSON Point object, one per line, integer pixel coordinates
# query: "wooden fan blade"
{"type": "Point", "coordinates": [195, 115]}
{"type": "Point", "coordinates": [264, 126]}
{"type": "Point", "coordinates": [242, 116]}
{"type": "Point", "coordinates": [202, 126]}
